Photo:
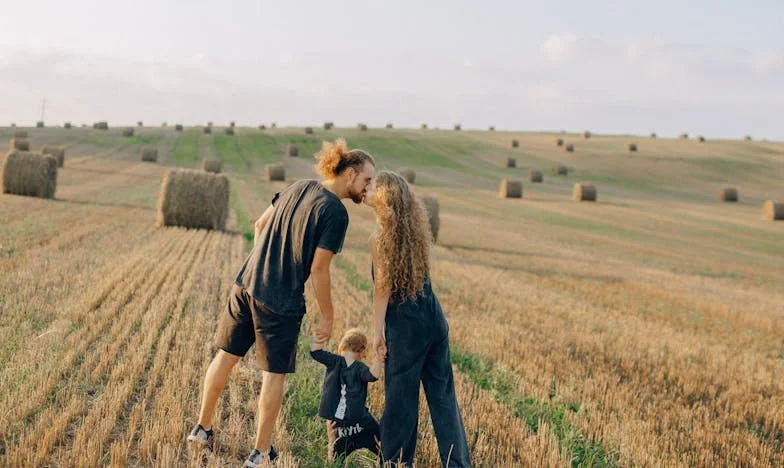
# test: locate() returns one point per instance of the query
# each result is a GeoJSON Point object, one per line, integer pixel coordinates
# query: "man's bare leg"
{"type": "Point", "coordinates": [214, 382]}
{"type": "Point", "coordinates": [270, 401]}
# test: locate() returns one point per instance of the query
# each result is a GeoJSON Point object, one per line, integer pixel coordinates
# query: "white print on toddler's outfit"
{"type": "Point", "coordinates": [340, 413]}
{"type": "Point", "coordinates": [349, 431]}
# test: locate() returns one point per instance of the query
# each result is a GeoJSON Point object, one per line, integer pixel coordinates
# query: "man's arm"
{"type": "Point", "coordinates": [319, 272]}
{"type": "Point", "coordinates": [261, 223]}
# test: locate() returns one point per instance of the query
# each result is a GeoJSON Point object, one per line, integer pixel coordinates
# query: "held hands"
{"type": "Point", "coordinates": [323, 331]}
{"type": "Point", "coordinates": [380, 345]}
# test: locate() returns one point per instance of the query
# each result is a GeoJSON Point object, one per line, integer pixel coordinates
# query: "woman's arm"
{"type": "Point", "coordinates": [380, 303]}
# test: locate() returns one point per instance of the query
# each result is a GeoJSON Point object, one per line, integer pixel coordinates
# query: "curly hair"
{"type": "Point", "coordinates": [334, 158]}
{"type": "Point", "coordinates": [402, 238]}
{"type": "Point", "coordinates": [353, 340]}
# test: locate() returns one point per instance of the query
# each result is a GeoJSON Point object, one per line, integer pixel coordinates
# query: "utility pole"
{"type": "Point", "coordinates": [43, 110]}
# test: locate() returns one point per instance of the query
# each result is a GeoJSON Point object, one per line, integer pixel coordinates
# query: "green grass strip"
{"type": "Point", "coordinates": [502, 384]}
{"type": "Point", "coordinates": [186, 149]}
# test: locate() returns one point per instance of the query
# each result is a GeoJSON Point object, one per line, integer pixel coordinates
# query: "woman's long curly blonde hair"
{"type": "Point", "coordinates": [403, 237]}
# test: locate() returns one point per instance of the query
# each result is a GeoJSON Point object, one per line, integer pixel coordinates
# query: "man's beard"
{"type": "Point", "coordinates": [357, 197]}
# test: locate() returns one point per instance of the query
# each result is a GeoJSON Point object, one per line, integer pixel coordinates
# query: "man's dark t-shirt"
{"type": "Point", "coordinates": [306, 216]}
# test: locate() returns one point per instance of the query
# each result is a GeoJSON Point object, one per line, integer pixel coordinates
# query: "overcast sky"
{"type": "Point", "coordinates": [710, 67]}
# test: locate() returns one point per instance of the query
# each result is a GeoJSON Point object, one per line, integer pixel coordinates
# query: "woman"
{"type": "Point", "coordinates": [410, 327]}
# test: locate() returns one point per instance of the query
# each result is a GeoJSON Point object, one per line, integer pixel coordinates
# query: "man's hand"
{"type": "Point", "coordinates": [323, 331]}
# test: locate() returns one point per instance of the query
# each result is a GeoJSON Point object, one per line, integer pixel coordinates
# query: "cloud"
{"type": "Point", "coordinates": [559, 48]}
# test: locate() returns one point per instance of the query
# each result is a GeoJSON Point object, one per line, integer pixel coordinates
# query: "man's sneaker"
{"type": "Point", "coordinates": [202, 436]}
{"type": "Point", "coordinates": [255, 459]}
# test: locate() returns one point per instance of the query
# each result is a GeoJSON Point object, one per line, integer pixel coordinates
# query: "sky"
{"type": "Point", "coordinates": [714, 68]}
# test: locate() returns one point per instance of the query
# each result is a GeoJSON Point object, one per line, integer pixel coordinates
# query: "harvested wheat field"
{"type": "Point", "coordinates": [645, 330]}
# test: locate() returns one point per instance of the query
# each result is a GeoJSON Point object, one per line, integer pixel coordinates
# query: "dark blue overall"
{"type": "Point", "coordinates": [417, 338]}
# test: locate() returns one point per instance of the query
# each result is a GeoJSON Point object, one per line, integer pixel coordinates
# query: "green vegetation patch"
{"type": "Point", "coordinates": [502, 385]}
{"type": "Point", "coordinates": [186, 149]}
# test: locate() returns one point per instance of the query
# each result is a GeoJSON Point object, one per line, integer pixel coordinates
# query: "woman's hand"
{"type": "Point", "coordinates": [380, 344]}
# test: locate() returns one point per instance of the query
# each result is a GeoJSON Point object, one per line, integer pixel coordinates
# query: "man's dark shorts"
{"type": "Point", "coordinates": [245, 320]}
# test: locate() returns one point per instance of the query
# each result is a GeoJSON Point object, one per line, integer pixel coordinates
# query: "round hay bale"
{"type": "Point", "coordinates": [728, 194]}
{"type": "Point", "coordinates": [309, 130]}
{"type": "Point", "coordinates": [21, 134]}
{"type": "Point", "coordinates": [559, 142]}
{"type": "Point", "coordinates": [207, 130]}
{"type": "Point", "coordinates": [684, 136]}
{"type": "Point", "coordinates": [747, 138]}
{"type": "Point", "coordinates": [363, 127]}
{"type": "Point", "coordinates": [140, 124]}
{"type": "Point", "coordinates": [423, 126]}
{"type": "Point", "coordinates": [275, 172]}
{"type": "Point", "coordinates": [511, 162]}
{"type": "Point", "coordinates": [632, 147]}
{"type": "Point", "coordinates": [229, 131]}
{"type": "Point", "coordinates": [653, 135]}
{"type": "Point", "coordinates": [57, 152]}
{"type": "Point", "coordinates": [150, 154]}
{"type": "Point", "coordinates": [432, 208]}
{"type": "Point", "coordinates": [561, 170]}
{"type": "Point", "coordinates": [101, 125]}
{"type": "Point", "coordinates": [515, 144]}
{"type": "Point", "coordinates": [535, 176]}
{"type": "Point", "coordinates": [273, 125]}
{"type": "Point", "coordinates": [13, 124]}
{"type": "Point", "coordinates": [569, 147]}
{"type": "Point", "coordinates": [408, 174]}
{"type": "Point", "coordinates": [21, 144]}
{"type": "Point", "coordinates": [127, 132]}
{"type": "Point", "coordinates": [193, 199]}
{"type": "Point", "coordinates": [700, 139]}
{"type": "Point", "coordinates": [67, 125]}
{"type": "Point", "coordinates": [457, 127]}
{"type": "Point", "coordinates": [511, 189]}
{"type": "Point", "coordinates": [492, 128]}
{"type": "Point", "coordinates": [178, 128]}
{"type": "Point", "coordinates": [584, 192]}
{"type": "Point", "coordinates": [211, 165]}
{"type": "Point", "coordinates": [773, 211]}
{"type": "Point", "coordinates": [209, 124]}
{"type": "Point", "coordinates": [231, 124]}
{"type": "Point", "coordinates": [329, 125]}
{"type": "Point", "coordinates": [586, 135]}
{"type": "Point", "coordinates": [39, 124]}
{"type": "Point", "coordinates": [292, 150]}
{"type": "Point", "coordinates": [164, 124]}
{"type": "Point", "coordinates": [29, 174]}
{"type": "Point", "coordinates": [262, 127]}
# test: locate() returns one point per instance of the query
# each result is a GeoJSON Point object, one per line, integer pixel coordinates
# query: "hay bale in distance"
{"type": "Point", "coordinates": [457, 127]}
{"type": "Point", "coordinates": [511, 162]}
{"type": "Point", "coordinates": [13, 124]}
{"type": "Point", "coordinates": [273, 125]}
{"type": "Point", "coordinates": [21, 134]}
{"type": "Point", "coordinates": [747, 138]}
{"type": "Point", "coordinates": [390, 126]}
{"type": "Point", "coordinates": [262, 127]}
{"type": "Point", "coordinates": [229, 131]}
{"type": "Point", "coordinates": [728, 194]}
{"type": "Point", "coordinates": [127, 132]}
{"type": "Point", "coordinates": [584, 192]}
{"type": "Point", "coordinates": [57, 152]}
{"type": "Point", "coordinates": [492, 128]}
{"type": "Point", "coordinates": [423, 126]}
{"type": "Point", "coordinates": [653, 135]}
{"type": "Point", "coordinates": [408, 174]}
{"type": "Point", "coordinates": [178, 128]}
{"type": "Point", "coordinates": [569, 148]}
{"type": "Point", "coordinates": [559, 142]}
{"type": "Point", "coordinates": [149, 154]}
{"type": "Point", "coordinates": [432, 208]}
{"type": "Point", "coordinates": [362, 127]}
{"type": "Point", "coordinates": [684, 136]}
{"type": "Point", "coordinates": [515, 144]}
{"type": "Point", "coordinates": [535, 176]}
{"type": "Point", "coordinates": [164, 124]}
{"type": "Point", "coordinates": [207, 130]}
{"type": "Point", "coordinates": [329, 125]}
{"type": "Point", "coordinates": [211, 165]}
{"type": "Point", "coordinates": [292, 150]}
{"type": "Point", "coordinates": [193, 199]}
{"type": "Point", "coordinates": [101, 125]}
{"type": "Point", "coordinates": [39, 124]}
{"type": "Point", "coordinates": [67, 125]}
{"type": "Point", "coordinates": [21, 144]}
{"type": "Point", "coordinates": [632, 147]}
{"type": "Point", "coordinates": [773, 211]}
{"type": "Point", "coordinates": [511, 189]}
{"type": "Point", "coordinates": [231, 124]}
{"type": "Point", "coordinates": [275, 172]}
{"type": "Point", "coordinates": [586, 135]}
{"type": "Point", "coordinates": [561, 170]}
{"type": "Point", "coordinates": [140, 124]}
{"type": "Point", "coordinates": [700, 139]}
{"type": "Point", "coordinates": [309, 130]}
{"type": "Point", "coordinates": [29, 174]}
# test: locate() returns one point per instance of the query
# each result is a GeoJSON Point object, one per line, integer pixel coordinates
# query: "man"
{"type": "Point", "coordinates": [296, 237]}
